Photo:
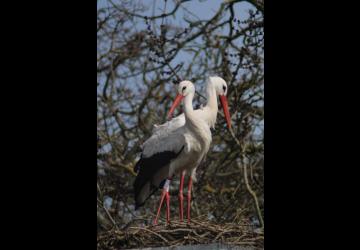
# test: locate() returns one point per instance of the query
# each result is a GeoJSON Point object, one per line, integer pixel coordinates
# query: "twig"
{"type": "Point", "coordinates": [109, 215]}
{"type": "Point", "coordinates": [147, 230]}
{"type": "Point", "coordinates": [253, 194]}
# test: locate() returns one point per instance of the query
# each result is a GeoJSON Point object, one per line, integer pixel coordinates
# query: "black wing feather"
{"type": "Point", "coordinates": [147, 168]}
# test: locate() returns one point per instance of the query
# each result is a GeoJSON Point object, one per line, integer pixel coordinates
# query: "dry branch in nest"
{"type": "Point", "coordinates": [178, 233]}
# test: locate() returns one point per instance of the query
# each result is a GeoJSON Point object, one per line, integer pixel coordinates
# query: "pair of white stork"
{"type": "Point", "coordinates": [179, 145]}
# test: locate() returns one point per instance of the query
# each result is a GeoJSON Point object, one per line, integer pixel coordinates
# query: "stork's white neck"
{"type": "Point", "coordinates": [212, 104]}
{"type": "Point", "coordinates": [196, 124]}
{"type": "Point", "coordinates": [192, 121]}
{"type": "Point", "coordinates": [211, 96]}
{"type": "Point", "coordinates": [188, 108]}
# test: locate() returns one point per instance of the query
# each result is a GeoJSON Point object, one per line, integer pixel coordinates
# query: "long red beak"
{"type": "Point", "coordinates": [176, 103]}
{"type": "Point", "coordinates": [224, 104]}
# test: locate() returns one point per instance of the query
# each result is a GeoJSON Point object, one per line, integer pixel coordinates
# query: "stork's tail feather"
{"type": "Point", "coordinates": [146, 185]}
{"type": "Point", "coordinates": [139, 204]}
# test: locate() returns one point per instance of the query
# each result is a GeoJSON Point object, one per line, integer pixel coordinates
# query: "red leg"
{"type": "Point", "coordinates": [189, 199]}
{"type": "Point", "coordinates": [165, 193]}
{"type": "Point", "coordinates": [181, 197]}
{"type": "Point", "coordinates": [159, 209]}
{"type": "Point", "coordinates": [167, 207]}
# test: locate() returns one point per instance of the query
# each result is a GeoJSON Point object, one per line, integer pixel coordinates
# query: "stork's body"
{"type": "Point", "coordinates": [178, 146]}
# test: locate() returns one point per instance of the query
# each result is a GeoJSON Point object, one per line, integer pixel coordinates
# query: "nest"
{"type": "Point", "coordinates": [180, 233]}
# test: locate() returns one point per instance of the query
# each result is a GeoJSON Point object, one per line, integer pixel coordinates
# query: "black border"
{"type": "Point", "coordinates": [49, 175]}
{"type": "Point", "coordinates": [49, 118]}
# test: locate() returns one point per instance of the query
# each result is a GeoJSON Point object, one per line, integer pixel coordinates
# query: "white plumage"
{"type": "Point", "coordinates": [164, 140]}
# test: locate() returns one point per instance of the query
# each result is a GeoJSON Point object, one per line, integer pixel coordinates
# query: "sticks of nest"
{"type": "Point", "coordinates": [178, 233]}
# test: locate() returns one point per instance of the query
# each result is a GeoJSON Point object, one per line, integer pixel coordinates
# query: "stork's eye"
{"type": "Point", "coordinates": [183, 88]}
{"type": "Point", "coordinates": [224, 88]}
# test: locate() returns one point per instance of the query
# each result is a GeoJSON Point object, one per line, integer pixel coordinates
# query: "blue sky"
{"type": "Point", "coordinates": [204, 9]}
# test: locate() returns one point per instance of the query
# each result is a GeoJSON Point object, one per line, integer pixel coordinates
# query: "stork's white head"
{"type": "Point", "coordinates": [219, 85]}
{"type": "Point", "coordinates": [185, 88]}
{"type": "Point", "coordinates": [221, 90]}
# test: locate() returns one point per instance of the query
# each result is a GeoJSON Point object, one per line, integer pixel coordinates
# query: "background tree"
{"type": "Point", "coordinates": [143, 48]}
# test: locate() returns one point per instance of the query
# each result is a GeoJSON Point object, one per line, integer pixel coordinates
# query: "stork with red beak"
{"type": "Point", "coordinates": [179, 145]}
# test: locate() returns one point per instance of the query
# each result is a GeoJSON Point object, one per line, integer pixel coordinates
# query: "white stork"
{"type": "Point", "coordinates": [179, 145]}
